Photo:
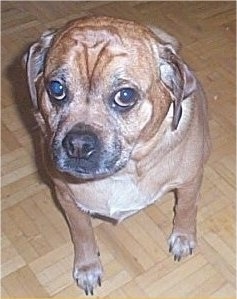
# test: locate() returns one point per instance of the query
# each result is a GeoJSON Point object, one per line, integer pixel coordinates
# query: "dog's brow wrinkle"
{"type": "Point", "coordinates": [86, 62]}
{"type": "Point", "coordinates": [90, 70]}
{"type": "Point", "coordinates": [95, 45]}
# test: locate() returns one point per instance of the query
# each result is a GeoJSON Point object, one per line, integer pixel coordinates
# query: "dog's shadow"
{"type": "Point", "coordinates": [16, 74]}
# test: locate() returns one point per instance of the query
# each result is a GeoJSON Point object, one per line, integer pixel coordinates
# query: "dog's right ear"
{"type": "Point", "coordinates": [34, 62]}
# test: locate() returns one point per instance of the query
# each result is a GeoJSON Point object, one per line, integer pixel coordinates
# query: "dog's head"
{"type": "Point", "coordinates": [99, 87]}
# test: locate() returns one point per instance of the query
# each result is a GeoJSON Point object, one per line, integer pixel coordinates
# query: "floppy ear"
{"type": "Point", "coordinates": [177, 78]}
{"type": "Point", "coordinates": [34, 61]}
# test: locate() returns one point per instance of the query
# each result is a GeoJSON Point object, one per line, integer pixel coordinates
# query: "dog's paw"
{"type": "Point", "coordinates": [88, 276]}
{"type": "Point", "coordinates": [181, 245]}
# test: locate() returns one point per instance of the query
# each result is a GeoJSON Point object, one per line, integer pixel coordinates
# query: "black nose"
{"type": "Point", "coordinates": [81, 144]}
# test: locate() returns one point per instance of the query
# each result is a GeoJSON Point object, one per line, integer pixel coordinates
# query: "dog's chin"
{"type": "Point", "coordinates": [95, 173]}
{"type": "Point", "coordinates": [78, 174]}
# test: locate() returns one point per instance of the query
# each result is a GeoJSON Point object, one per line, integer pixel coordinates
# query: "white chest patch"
{"type": "Point", "coordinates": [118, 200]}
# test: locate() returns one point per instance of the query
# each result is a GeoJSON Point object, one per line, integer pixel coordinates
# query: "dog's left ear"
{"type": "Point", "coordinates": [34, 62]}
{"type": "Point", "coordinates": [177, 78]}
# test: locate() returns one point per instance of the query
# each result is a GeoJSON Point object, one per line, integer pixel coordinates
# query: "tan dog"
{"type": "Point", "coordinates": [124, 121]}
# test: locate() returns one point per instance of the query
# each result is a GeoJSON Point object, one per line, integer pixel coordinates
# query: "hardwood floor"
{"type": "Point", "coordinates": [37, 252]}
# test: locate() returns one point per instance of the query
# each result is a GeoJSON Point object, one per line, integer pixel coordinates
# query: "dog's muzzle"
{"type": "Point", "coordinates": [81, 145]}
{"type": "Point", "coordinates": [81, 150]}
{"type": "Point", "coordinates": [83, 154]}
{"type": "Point", "coordinates": [78, 152]}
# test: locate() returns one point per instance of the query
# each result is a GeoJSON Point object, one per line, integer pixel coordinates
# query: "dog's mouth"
{"type": "Point", "coordinates": [81, 154]}
{"type": "Point", "coordinates": [87, 169]}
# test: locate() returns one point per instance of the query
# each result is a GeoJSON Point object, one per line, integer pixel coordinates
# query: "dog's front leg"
{"type": "Point", "coordinates": [183, 238]}
{"type": "Point", "coordinates": [87, 266]}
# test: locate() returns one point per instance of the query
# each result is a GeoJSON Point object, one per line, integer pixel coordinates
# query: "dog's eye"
{"type": "Point", "coordinates": [125, 97]}
{"type": "Point", "coordinates": [57, 90]}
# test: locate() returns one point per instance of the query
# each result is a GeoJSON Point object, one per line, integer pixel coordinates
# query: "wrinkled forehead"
{"type": "Point", "coordinates": [94, 49]}
{"type": "Point", "coordinates": [94, 31]}
{"type": "Point", "coordinates": [90, 37]}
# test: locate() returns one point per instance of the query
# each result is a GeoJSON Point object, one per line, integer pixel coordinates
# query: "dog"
{"type": "Point", "coordinates": [124, 121]}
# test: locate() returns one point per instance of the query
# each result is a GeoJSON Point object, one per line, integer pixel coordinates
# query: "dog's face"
{"type": "Point", "coordinates": [100, 87]}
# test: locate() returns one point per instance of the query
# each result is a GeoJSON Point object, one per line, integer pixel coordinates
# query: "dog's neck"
{"type": "Point", "coordinates": [165, 140]}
